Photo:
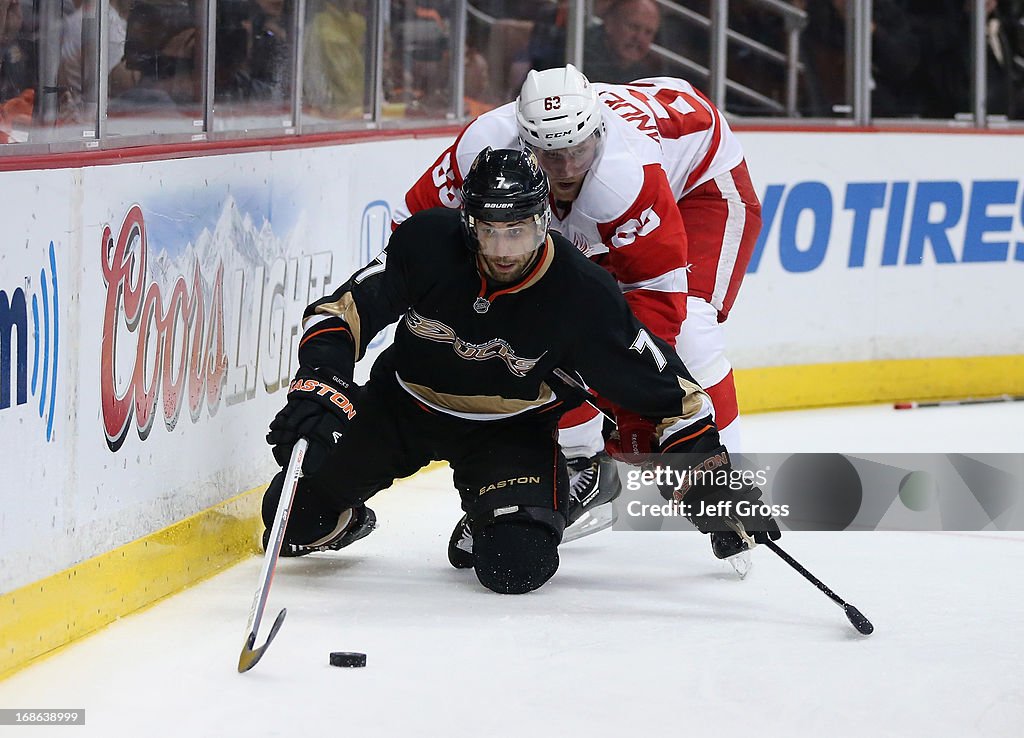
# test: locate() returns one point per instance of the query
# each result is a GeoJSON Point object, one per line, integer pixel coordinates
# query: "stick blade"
{"type": "Point", "coordinates": [250, 656]}
{"type": "Point", "coordinates": [861, 623]}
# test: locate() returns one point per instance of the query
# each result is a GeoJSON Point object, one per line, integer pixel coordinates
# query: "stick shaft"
{"type": "Point", "coordinates": [571, 381]}
{"type": "Point", "coordinates": [273, 552]}
{"type": "Point", "coordinates": [959, 403]}
{"type": "Point", "coordinates": [804, 573]}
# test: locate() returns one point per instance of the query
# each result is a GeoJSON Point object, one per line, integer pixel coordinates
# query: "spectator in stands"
{"type": "Point", "coordinates": [745, 66]}
{"type": "Point", "coordinates": [13, 61]}
{"type": "Point", "coordinates": [16, 94]}
{"type": "Point", "coordinates": [1004, 34]}
{"type": "Point", "coordinates": [896, 52]}
{"type": "Point", "coordinates": [120, 77]}
{"type": "Point", "coordinates": [253, 50]}
{"type": "Point", "coordinates": [944, 73]}
{"type": "Point", "coordinates": [477, 82]}
{"type": "Point", "coordinates": [162, 46]}
{"type": "Point", "coordinates": [619, 51]}
{"type": "Point", "coordinates": [519, 9]}
{"type": "Point", "coordinates": [232, 81]}
{"type": "Point", "coordinates": [75, 76]}
{"type": "Point", "coordinates": [686, 38]}
{"type": "Point", "coordinates": [417, 54]}
{"type": "Point", "coordinates": [546, 47]}
{"type": "Point", "coordinates": [334, 61]}
{"type": "Point", "coordinates": [420, 68]}
{"type": "Point", "coordinates": [270, 47]}
{"type": "Point", "coordinates": [942, 77]}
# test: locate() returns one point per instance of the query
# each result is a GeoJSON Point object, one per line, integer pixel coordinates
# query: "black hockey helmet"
{"type": "Point", "coordinates": [503, 186]}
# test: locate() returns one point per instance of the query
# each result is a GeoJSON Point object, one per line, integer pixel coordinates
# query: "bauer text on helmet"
{"type": "Point", "coordinates": [505, 212]}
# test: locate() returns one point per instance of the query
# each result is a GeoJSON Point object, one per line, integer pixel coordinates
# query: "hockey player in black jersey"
{"type": "Point", "coordinates": [490, 305]}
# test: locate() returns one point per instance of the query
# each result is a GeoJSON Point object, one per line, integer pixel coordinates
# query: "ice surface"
{"type": "Point", "coordinates": [639, 634]}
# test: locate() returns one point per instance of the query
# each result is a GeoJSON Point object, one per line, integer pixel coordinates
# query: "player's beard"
{"type": "Point", "coordinates": [517, 266]}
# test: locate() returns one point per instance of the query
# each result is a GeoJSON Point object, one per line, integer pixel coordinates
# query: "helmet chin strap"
{"type": "Point", "coordinates": [536, 256]}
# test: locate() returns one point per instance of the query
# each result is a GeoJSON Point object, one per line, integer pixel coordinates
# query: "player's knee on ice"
{"type": "Point", "coordinates": [514, 557]}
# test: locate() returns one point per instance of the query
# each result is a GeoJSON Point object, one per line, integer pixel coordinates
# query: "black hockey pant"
{"type": "Point", "coordinates": [506, 471]}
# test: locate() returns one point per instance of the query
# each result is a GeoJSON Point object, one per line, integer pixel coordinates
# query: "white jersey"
{"type": "Point", "coordinates": [663, 138]}
{"type": "Point", "coordinates": [695, 140]}
{"type": "Point", "coordinates": [661, 120]}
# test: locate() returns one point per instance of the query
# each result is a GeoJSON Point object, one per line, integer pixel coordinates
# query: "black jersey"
{"type": "Point", "coordinates": [486, 352]}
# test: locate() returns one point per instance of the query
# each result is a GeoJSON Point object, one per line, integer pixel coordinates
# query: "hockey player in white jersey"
{"type": "Point", "coordinates": [648, 180]}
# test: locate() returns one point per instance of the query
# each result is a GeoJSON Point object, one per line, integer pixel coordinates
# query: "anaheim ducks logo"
{"type": "Point", "coordinates": [496, 348]}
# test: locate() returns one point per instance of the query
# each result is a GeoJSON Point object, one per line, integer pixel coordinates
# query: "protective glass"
{"type": "Point", "coordinates": [572, 161]}
{"type": "Point", "coordinates": [517, 238]}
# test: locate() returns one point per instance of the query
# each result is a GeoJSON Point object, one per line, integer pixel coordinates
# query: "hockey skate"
{"type": "Point", "coordinates": [593, 484]}
{"type": "Point", "coordinates": [460, 546]}
{"type": "Point", "coordinates": [729, 547]}
{"type": "Point", "coordinates": [351, 527]}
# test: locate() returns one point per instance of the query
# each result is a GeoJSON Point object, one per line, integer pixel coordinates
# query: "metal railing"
{"type": "Point", "coordinates": [721, 35]}
{"type": "Point", "coordinates": [733, 93]}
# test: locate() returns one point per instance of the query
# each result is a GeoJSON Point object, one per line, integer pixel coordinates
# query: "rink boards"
{"type": "Point", "coordinates": [149, 316]}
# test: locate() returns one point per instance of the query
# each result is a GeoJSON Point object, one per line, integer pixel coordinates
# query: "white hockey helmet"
{"type": "Point", "coordinates": [557, 108]}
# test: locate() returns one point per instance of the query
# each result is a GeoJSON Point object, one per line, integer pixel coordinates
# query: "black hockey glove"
{"type": "Point", "coordinates": [320, 406]}
{"type": "Point", "coordinates": [714, 496]}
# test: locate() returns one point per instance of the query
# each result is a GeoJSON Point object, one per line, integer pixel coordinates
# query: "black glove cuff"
{"type": "Point", "coordinates": [329, 343]}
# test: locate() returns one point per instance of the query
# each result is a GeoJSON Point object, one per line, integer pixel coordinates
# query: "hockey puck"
{"type": "Point", "coordinates": [348, 658]}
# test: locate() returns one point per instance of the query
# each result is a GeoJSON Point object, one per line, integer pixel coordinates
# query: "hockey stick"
{"type": "Point", "coordinates": [739, 562]}
{"type": "Point", "coordinates": [958, 403]}
{"type": "Point", "coordinates": [857, 619]}
{"type": "Point", "coordinates": [250, 656]}
{"type": "Point", "coordinates": [584, 394]}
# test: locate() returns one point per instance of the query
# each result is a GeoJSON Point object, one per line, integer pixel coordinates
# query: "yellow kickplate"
{"type": "Point", "coordinates": [769, 389]}
{"type": "Point", "coordinates": [39, 618]}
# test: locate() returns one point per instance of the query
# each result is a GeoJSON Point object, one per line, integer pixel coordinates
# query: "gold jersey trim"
{"type": "Point", "coordinates": [477, 407]}
{"type": "Point", "coordinates": [345, 308]}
